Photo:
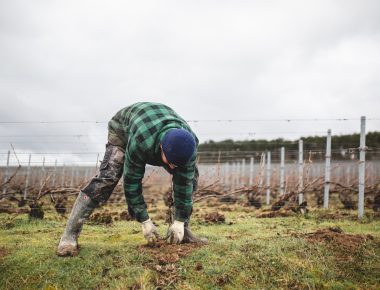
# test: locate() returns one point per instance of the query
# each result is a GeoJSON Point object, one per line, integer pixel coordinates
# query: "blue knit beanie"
{"type": "Point", "coordinates": [178, 146]}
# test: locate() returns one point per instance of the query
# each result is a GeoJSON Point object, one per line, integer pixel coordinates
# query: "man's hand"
{"type": "Point", "coordinates": [150, 231]}
{"type": "Point", "coordinates": [176, 232]}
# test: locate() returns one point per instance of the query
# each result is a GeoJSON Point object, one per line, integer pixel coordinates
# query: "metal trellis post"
{"type": "Point", "coordinates": [6, 173]}
{"type": "Point", "coordinates": [361, 168]}
{"type": "Point", "coordinates": [227, 175]}
{"type": "Point", "coordinates": [348, 175]}
{"type": "Point", "coordinates": [96, 164]}
{"type": "Point", "coordinates": [282, 171]}
{"type": "Point", "coordinates": [27, 177]}
{"type": "Point", "coordinates": [262, 165]}
{"type": "Point", "coordinates": [268, 177]}
{"type": "Point", "coordinates": [42, 172]}
{"type": "Point", "coordinates": [238, 175]}
{"type": "Point", "coordinates": [55, 172]}
{"type": "Point", "coordinates": [63, 176]}
{"type": "Point", "coordinates": [251, 171]}
{"type": "Point", "coordinates": [243, 172]}
{"type": "Point", "coordinates": [327, 170]}
{"type": "Point", "coordinates": [76, 175]}
{"type": "Point", "coordinates": [72, 177]}
{"type": "Point", "coordinates": [86, 175]}
{"type": "Point", "coordinates": [300, 171]}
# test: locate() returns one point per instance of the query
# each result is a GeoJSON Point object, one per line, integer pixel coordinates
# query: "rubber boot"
{"type": "Point", "coordinates": [82, 209]}
{"type": "Point", "coordinates": [189, 237]}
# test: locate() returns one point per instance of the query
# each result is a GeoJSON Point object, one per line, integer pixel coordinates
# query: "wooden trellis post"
{"type": "Point", "coordinates": [261, 177]}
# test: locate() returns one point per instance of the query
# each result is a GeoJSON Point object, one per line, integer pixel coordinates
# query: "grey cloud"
{"type": "Point", "coordinates": [84, 60]}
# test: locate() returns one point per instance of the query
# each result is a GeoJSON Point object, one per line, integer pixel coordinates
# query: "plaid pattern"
{"type": "Point", "coordinates": [139, 129]}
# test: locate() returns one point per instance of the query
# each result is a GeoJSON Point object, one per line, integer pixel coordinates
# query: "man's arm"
{"type": "Point", "coordinates": [133, 175]}
{"type": "Point", "coordinates": [183, 190]}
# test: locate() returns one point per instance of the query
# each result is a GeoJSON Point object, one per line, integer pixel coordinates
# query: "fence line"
{"type": "Point", "coordinates": [230, 169]}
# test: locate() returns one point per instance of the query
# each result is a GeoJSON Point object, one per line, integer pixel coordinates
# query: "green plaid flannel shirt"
{"type": "Point", "coordinates": [139, 129]}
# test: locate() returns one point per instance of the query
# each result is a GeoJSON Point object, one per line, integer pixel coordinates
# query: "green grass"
{"type": "Point", "coordinates": [250, 253]}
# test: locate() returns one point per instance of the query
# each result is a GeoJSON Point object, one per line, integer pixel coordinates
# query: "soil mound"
{"type": "Point", "coordinates": [337, 215]}
{"type": "Point", "coordinates": [335, 237]}
{"type": "Point", "coordinates": [164, 257]}
{"type": "Point", "coordinates": [3, 252]}
{"type": "Point", "coordinates": [165, 253]}
{"type": "Point", "coordinates": [274, 214]}
{"type": "Point", "coordinates": [99, 218]}
{"type": "Point", "coordinates": [214, 218]}
{"type": "Point", "coordinates": [125, 216]}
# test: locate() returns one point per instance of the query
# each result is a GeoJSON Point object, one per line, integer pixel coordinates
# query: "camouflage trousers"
{"type": "Point", "coordinates": [104, 182]}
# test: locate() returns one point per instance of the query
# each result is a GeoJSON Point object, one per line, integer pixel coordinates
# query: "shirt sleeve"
{"type": "Point", "coordinates": [134, 170]}
{"type": "Point", "coordinates": [183, 190]}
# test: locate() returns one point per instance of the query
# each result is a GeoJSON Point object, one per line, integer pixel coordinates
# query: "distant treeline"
{"type": "Point", "coordinates": [340, 146]}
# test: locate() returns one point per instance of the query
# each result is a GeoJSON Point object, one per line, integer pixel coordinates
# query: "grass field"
{"type": "Point", "coordinates": [323, 250]}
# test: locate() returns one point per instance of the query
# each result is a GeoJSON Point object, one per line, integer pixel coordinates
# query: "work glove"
{"type": "Point", "coordinates": [176, 232]}
{"type": "Point", "coordinates": [150, 231]}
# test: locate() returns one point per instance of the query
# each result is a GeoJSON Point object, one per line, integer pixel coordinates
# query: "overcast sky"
{"type": "Point", "coordinates": [208, 60]}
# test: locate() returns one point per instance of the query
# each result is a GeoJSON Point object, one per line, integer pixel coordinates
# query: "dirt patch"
{"type": "Point", "coordinates": [164, 258]}
{"type": "Point", "coordinates": [274, 214]}
{"type": "Point", "coordinates": [168, 275]}
{"type": "Point", "coordinates": [227, 208]}
{"type": "Point", "coordinates": [376, 215]}
{"type": "Point", "coordinates": [214, 218]}
{"type": "Point", "coordinates": [223, 279]}
{"type": "Point", "coordinates": [99, 218]}
{"type": "Point", "coordinates": [3, 252]}
{"type": "Point", "coordinates": [333, 215]}
{"type": "Point", "coordinates": [198, 267]}
{"type": "Point", "coordinates": [14, 210]}
{"type": "Point", "coordinates": [125, 216]}
{"type": "Point", "coordinates": [164, 253]}
{"type": "Point", "coordinates": [330, 216]}
{"type": "Point", "coordinates": [7, 225]}
{"type": "Point", "coordinates": [344, 245]}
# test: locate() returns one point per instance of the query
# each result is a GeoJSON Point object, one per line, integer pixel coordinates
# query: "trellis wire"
{"type": "Point", "coordinates": [344, 173]}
